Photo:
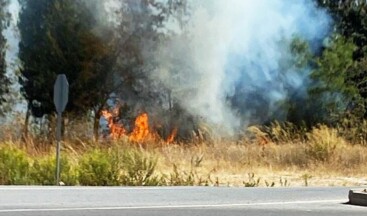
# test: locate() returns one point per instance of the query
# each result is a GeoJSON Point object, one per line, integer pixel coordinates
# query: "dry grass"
{"type": "Point", "coordinates": [283, 165]}
{"type": "Point", "coordinates": [279, 156]}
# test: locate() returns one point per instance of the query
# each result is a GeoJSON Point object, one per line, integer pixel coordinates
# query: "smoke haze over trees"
{"type": "Point", "coordinates": [4, 80]}
{"type": "Point", "coordinates": [225, 64]}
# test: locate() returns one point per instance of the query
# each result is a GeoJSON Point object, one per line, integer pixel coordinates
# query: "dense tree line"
{"type": "Point", "coordinates": [57, 38]}
{"type": "Point", "coordinates": [341, 68]}
{"type": "Point", "coordinates": [4, 80]}
{"type": "Point", "coordinates": [72, 37]}
{"type": "Point", "coordinates": [104, 59]}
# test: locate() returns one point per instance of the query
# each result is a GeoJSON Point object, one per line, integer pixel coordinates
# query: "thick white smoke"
{"type": "Point", "coordinates": [238, 49]}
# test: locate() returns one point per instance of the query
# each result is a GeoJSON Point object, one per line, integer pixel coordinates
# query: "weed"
{"type": "Point", "coordinates": [252, 182]}
{"type": "Point", "coordinates": [139, 169]}
{"type": "Point", "coordinates": [43, 171]}
{"type": "Point", "coordinates": [286, 132]}
{"type": "Point", "coordinates": [177, 178]}
{"type": "Point", "coordinates": [196, 160]}
{"type": "Point", "coordinates": [98, 168]}
{"type": "Point", "coordinates": [305, 178]}
{"type": "Point", "coordinates": [323, 142]}
{"type": "Point", "coordinates": [14, 166]}
{"type": "Point", "coordinates": [268, 184]}
{"type": "Point", "coordinates": [284, 182]}
{"type": "Point", "coordinates": [191, 178]}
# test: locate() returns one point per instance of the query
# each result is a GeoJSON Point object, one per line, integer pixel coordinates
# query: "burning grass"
{"type": "Point", "coordinates": [142, 132]}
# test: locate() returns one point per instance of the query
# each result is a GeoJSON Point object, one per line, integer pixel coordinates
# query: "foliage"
{"type": "Point", "coordinates": [306, 177]}
{"type": "Point", "coordinates": [252, 181]}
{"type": "Point", "coordinates": [56, 37]}
{"type": "Point", "coordinates": [4, 80]}
{"type": "Point", "coordinates": [184, 178]}
{"type": "Point", "coordinates": [139, 169]}
{"type": "Point", "coordinates": [322, 143]}
{"type": "Point", "coordinates": [141, 31]}
{"type": "Point", "coordinates": [332, 90]}
{"type": "Point", "coordinates": [351, 23]}
{"type": "Point", "coordinates": [285, 132]}
{"type": "Point", "coordinates": [333, 65]}
{"type": "Point", "coordinates": [43, 171]}
{"type": "Point", "coordinates": [295, 63]}
{"type": "Point", "coordinates": [65, 36]}
{"type": "Point", "coordinates": [99, 167]}
{"type": "Point", "coordinates": [117, 167]}
{"type": "Point", "coordinates": [14, 166]}
{"type": "Point", "coordinates": [221, 167]}
{"type": "Point", "coordinates": [354, 130]}
{"type": "Point", "coordinates": [350, 20]}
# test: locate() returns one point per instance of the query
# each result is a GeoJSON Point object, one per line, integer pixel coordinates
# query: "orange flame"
{"type": "Point", "coordinates": [172, 136]}
{"type": "Point", "coordinates": [116, 130]}
{"type": "Point", "coordinates": [141, 131]}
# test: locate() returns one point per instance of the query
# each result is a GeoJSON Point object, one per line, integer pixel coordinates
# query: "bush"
{"type": "Point", "coordinates": [99, 168]}
{"type": "Point", "coordinates": [286, 132]}
{"type": "Point", "coordinates": [43, 171]}
{"type": "Point", "coordinates": [323, 142]}
{"type": "Point", "coordinates": [14, 166]}
{"type": "Point", "coordinates": [354, 130]}
{"type": "Point", "coordinates": [191, 178]}
{"type": "Point", "coordinates": [138, 169]}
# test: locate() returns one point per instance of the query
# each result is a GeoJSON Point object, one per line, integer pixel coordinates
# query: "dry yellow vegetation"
{"type": "Point", "coordinates": [277, 156]}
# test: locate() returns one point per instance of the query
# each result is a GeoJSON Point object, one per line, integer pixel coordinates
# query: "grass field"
{"type": "Point", "coordinates": [279, 158]}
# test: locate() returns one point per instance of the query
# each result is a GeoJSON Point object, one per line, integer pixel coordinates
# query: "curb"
{"type": "Point", "coordinates": [358, 197]}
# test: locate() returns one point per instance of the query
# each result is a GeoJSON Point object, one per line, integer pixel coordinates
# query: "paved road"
{"type": "Point", "coordinates": [175, 201]}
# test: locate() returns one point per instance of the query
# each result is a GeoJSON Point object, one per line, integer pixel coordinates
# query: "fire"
{"type": "Point", "coordinates": [116, 130]}
{"type": "Point", "coordinates": [172, 136]}
{"type": "Point", "coordinates": [141, 131]}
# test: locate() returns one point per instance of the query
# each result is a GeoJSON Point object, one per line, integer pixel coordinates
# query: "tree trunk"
{"type": "Point", "coordinates": [97, 116]}
{"type": "Point", "coordinates": [50, 128]}
{"type": "Point", "coordinates": [25, 128]}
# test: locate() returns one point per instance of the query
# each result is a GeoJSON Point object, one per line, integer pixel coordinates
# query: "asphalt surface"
{"type": "Point", "coordinates": [175, 201]}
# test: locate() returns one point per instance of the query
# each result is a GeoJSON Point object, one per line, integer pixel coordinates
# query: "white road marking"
{"type": "Point", "coordinates": [43, 188]}
{"type": "Point", "coordinates": [170, 206]}
{"type": "Point", "coordinates": [48, 188]}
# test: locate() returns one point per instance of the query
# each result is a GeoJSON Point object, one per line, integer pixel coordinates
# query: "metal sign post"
{"type": "Point", "coordinates": [61, 96]}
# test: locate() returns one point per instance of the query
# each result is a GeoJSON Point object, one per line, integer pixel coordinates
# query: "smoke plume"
{"type": "Point", "coordinates": [231, 62]}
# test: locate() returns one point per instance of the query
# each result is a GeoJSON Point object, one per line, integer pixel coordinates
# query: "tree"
{"type": "Point", "coordinates": [141, 30]}
{"type": "Point", "coordinates": [332, 88]}
{"type": "Point", "coordinates": [351, 23]}
{"type": "Point", "coordinates": [57, 36]}
{"type": "Point", "coordinates": [296, 104]}
{"type": "Point", "coordinates": [4, 80]}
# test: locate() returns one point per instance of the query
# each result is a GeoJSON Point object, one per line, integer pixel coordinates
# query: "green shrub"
{"type": "Point", "coordinates": [99, 168]}
{"type": "Point", "coordinates": [138, 169]}
{"type": "Point", "coordinates": [43, 171]}
{"type": "Point", "coordinates": [14, 166]}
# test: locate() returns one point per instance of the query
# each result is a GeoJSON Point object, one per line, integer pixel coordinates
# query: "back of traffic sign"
{"type": "Point", "coordinates": [61, 93]}
{"type": "Point", "coordinates": [61, 96]}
